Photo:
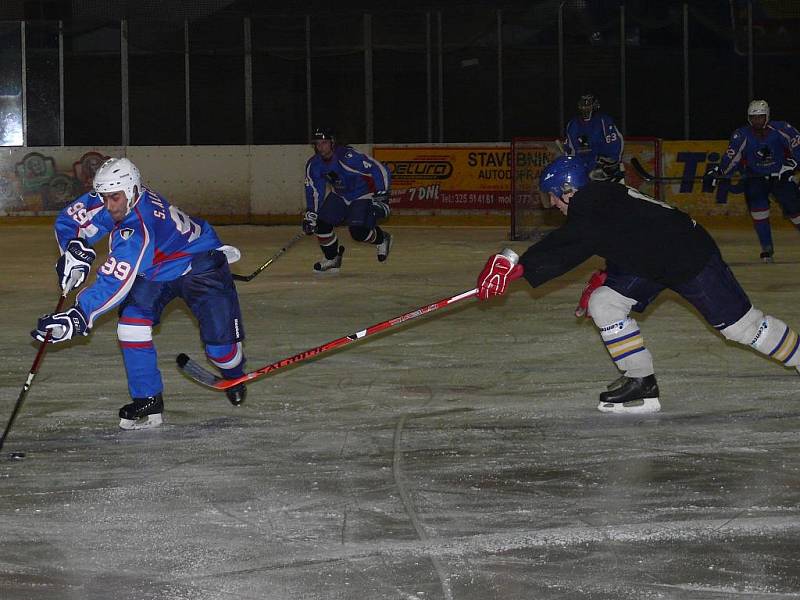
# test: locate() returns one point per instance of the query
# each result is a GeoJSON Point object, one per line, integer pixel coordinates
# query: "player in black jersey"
{"type": "Point", "coordinates": [649, 246]}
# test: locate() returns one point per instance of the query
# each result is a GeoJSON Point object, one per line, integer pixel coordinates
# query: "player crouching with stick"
{"type": "Point", "coordinates": [649, 246]}
{"type": "Point", "coordinates": [157, 254]}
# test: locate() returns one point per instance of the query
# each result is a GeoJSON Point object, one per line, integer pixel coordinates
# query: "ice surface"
{"type": "Point", "coordinates": [459, 456]}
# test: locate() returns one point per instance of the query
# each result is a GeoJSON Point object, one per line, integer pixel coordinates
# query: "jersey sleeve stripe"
{"type": "Point", "coordinates": [128, 282]}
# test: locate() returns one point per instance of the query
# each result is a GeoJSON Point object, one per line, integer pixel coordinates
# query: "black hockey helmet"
{"type": "Point", "coordinates": [587, 104]}
{"type": "Point", "coordinates": [323, 133]}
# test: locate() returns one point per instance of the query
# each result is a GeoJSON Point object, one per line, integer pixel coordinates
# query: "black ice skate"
{"type": "Point", "coordinates": [631, 395]}
{"type": "Point", "coordinates": [142, 413]}
{"type": "Point", "coordinates": [384, 247]}
{"type": "Point", "coordinates": [766, 255]}
{"type": "Point", "coordinates": [330, 265]}
{"type": "Point", "coordinates": [236, 394]}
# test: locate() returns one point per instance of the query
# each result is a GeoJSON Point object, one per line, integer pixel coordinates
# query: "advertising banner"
{"type": "Point", "coordinates": [689, 160]}
{"type": "Point", "coordinates": [448, 177]}
{"type": "Point", "coordinates": [478, 177]}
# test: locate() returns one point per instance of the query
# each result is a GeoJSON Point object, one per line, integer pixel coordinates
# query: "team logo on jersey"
{"type": "Point", "coordinates": [126, 233]}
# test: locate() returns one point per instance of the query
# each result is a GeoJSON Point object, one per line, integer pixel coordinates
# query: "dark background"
{"type": "Point", "coordinates": [441, 72]}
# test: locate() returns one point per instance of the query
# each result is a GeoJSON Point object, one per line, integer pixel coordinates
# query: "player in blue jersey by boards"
{"type": "Point", "coordinates": [157, 253]}
{"type": "Point", "coordinates": [595, 140]}
{"type": "Point", "coordinates": [650, 246]}
{"type": "Point", "coordinates": [358, 196]}
{"type": "Point", "coordinates": [767, 154]}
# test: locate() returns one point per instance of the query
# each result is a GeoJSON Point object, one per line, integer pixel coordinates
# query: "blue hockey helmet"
{"type": "Point", "coordinates": [564, 174]}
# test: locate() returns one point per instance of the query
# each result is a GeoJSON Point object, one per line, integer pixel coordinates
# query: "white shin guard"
{"type": "Point", "coordinates": [767, 335]}
{"type": "Point", "coordinates": [620, 333]}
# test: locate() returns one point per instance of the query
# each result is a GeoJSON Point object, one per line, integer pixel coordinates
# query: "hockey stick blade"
{"type": "Point", "coordinates": [271, 260]}
{"type": "Point", "coordinates": [195, 371]}
{"type": "Point", "coordinates": [199, 374]}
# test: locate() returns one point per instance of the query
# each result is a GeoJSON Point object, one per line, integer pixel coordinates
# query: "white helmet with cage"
{"type": "Point", "coordinates": [119, 174]}
{"type": "Point", "coordinates": [757, 107]}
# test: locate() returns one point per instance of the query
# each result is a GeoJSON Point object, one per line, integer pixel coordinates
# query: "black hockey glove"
{"type": "Point", "coordinates": [62, 326]}
{"type": "Point", "coordinates": [74, 265]}
{"type": "Point", "coordinates": [380, 204]}
{"type": "Point", "coordinates": [787, 170]}
{"type": "Point", "coordinates": [711, 178]}
{"type": "Point", "coordinates": [607, 169]}
{"type": "Point", "coordinates": [310, 222]}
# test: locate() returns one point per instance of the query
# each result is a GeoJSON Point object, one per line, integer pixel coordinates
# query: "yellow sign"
{"type": "Point", "coordinates": [464, 177]}
{"type": "Point", "coordinates": [689, 160]}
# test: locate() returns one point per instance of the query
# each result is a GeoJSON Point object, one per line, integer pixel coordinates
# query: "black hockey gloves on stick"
{"type": "Point", "coordinates": [201, 375]}
{"type": "Point", "coordinates": [34, 369]}
{"type": "Point", "coordinates": [271, 260]}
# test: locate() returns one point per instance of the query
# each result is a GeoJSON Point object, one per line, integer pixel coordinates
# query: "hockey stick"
{"type": "Point", "coordinates": [34, 369]}
{"type": "Point", "coordinates": [647, 176]}
{"type": "Point", "coordinates": [274, 257]}
{"type": "Point", "coordinates": [201, 375]}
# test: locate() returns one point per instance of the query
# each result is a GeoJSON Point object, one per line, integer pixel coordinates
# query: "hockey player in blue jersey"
{"type": "Point", "coordinates": [359, 197]}
{"type": "Point", "coordinates": [766, 153]}
{"type": "Point", "coordinates": [157, 253]}
{"type": "Point", "coordinates": [595, 140]}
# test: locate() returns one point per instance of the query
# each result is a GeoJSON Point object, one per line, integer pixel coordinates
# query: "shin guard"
{"type": "Point", "coordinates": [767, 335]}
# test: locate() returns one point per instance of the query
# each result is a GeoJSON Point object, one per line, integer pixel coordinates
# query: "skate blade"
{"type": "Point", "coordinates": [331, 270]}
{"type": "Point", "coordinates": [636, 407]}
{"type": "Point", "coordinates": [148, 422]}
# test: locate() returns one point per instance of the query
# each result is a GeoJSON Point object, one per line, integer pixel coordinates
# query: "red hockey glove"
{"type": "Point", "coordinates": [597, 279]}
{"type": "Point", "coordinates": [500, 269]}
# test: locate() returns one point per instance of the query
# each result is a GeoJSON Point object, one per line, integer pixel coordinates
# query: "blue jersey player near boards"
{"type": "Point", "coordinates": [359, 196]}
{"type": "Point", "coordinates": [157, 253]}
{"type": "Point", "coordinates": [766, 153]}
{"type": "Point", "coordinates": [595, 140]}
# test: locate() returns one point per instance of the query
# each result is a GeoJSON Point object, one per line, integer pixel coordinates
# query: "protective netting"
{"type": "Point", "coordinates": [471, 72]}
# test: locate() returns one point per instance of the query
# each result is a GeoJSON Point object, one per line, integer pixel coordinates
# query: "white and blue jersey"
{"type": "Point", "coordinates": [590, 139]}
{"type": "Point", "coordinates": [351, 175]}
{"type": "Point", "coordinates": [761, 154]}
{"type": "Point", "coordinates": [155, 241]}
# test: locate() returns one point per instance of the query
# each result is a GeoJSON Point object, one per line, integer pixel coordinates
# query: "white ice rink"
{"type": "Point", "coordinates": [458, 457]}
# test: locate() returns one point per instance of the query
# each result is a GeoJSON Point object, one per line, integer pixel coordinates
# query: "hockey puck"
{"type": "Point", "coordinates": [16, 455]}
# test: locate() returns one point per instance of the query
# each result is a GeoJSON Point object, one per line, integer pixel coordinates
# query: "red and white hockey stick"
{"type": "Point", "coordinates": [205, 377]}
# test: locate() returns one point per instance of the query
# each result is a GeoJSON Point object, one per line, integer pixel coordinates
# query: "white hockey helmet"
{"type": "Point", "coordinates": [119, 174]}
{"type": "Point", "coordinates": [757, 107]}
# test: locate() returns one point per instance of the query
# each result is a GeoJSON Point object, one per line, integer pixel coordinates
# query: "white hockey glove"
{"type": "Point", "coordinates": [310, 222]}
{"type": "Point", "coordinates": [74, 265]}
{"type": "Point", "coordinates": [62, 326]}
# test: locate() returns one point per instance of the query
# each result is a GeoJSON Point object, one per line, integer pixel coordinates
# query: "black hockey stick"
{"type": "Point", "coordinates": [34, 369]}
{"type": "Point", "coordinates": [647, 176]}
{"type": "Point", "coordinates": [271, 260]}
{"type": "Point", "coordinates": [205, 377]}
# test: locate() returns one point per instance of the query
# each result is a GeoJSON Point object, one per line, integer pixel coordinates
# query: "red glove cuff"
{"type": "Point", "coordinates": [597, 279]}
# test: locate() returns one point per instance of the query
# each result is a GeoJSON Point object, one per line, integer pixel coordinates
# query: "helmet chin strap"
{"type": "Point", "coordinates": [134, 202]}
